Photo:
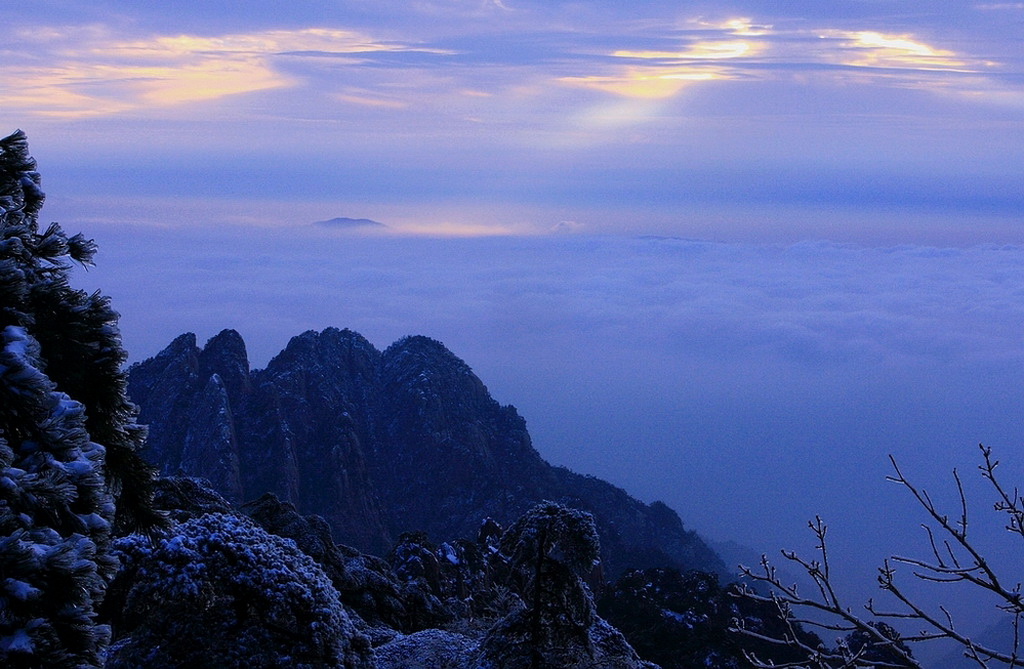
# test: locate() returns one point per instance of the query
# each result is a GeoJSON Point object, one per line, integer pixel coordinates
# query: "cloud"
{"type": "Point", "coordinates": [882, 58]}
{"type": "Point", "coordinates": [802, 304]}
{"type": "Point", "coordinates": [697, 51]}
{"type": "Point", "coordinates": [96, 72]}
{"type": "Point", "coordinates": [743, 26]}
{"type": "Point", "coordinates": [100, 70]}
{"type": "Point", "coordinates": [370, 99]}
{"type": "Point", "coordinates": [771, 379]}
{"type": "Point", "coordinates": [644, 82]}
{"type": "Point", "coordinates": [568, 227]}
{"type": "Point", "coordinates": [868, 48]}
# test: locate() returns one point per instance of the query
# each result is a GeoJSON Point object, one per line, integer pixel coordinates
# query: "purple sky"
{"type": "Point", "coordinates": [852, 169]}
{"type": "Point", "coordinates": [854, 121]}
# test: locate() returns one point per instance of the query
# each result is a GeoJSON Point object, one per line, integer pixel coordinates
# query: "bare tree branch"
{"type": "Point", "coordinates": [870, 642]}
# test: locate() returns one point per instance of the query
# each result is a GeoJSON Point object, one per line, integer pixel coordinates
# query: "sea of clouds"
{"type": "Point", "coordinates": [750, 386]}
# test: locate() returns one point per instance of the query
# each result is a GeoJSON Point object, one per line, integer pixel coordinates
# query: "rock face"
{"type": "Point", "coordinates": [299, 429]}
{"type": "Point", "coordinates": [377, 444]}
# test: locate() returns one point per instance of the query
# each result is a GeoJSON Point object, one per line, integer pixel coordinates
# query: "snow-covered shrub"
{"type": "Point", "coordinates": [219, 591]}
{"type": "Point", "coordinates": [437, 649]}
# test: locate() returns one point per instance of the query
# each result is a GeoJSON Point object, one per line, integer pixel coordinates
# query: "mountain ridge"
{"type": "Point", "coordinates": [378, 443]}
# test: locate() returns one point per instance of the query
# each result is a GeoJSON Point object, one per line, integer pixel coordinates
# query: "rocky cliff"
{"type": "Point", "coordinates": [377, 444]}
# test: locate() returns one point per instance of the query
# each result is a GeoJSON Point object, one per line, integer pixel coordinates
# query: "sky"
{"type": "Point", "coordinates": [730, 255]}
{"type": "Point", "coordinates": [862, 121]}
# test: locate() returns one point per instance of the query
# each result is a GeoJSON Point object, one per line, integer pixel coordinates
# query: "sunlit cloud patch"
{"type": "Point", "coordinates": [868, 48]}
{"type": "Point", "coordinates": [644, 82]}
{"type": "Point", "coordinates": [96, 72]}
{"type": "Point", "coordinates": [697, 51]}
{"type": "Point", "coordinates": [880, 57]}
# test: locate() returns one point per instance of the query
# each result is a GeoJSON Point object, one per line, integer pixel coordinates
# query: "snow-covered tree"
{"type": "Point", "coordinates": [68, 440]}
{"type": "Point", "coordinates": [54, 518]}
{"type": "Point", "coordinates": [79, 344]}
{"type": "Point", "coordinates": [218, 591]}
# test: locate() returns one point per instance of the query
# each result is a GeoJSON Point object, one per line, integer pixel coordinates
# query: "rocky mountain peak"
{"type": "Point", "coordinates": [163, 393]}
{"type": "Point", "coordinates": [425, 368]}
{"type": "Point", "coordinates": [331, 350]}
{"type": "Point", "coordinates": [225, 356]}
{"type": "Point", "coordinates": [419, 351]}
{"type": "Point", "coordinates": [378, 444]}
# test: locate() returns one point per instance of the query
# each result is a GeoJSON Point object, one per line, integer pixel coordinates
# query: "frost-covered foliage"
{"type": "Point", "coordinates": [427, 580]}
{"type": "Point", "coordinates": [54, 518]}
{"type": "Point", "coordinates": [183, 498]}
{"type": "Point", "coordinates": [432, 648]}
{"type": "Point", "coordinates": [461, 582]}
{"type": "Point", "coordinates": [219, 591]}
{"type": "Point", "coordinates": [78, 343]}
{"type": "Point", "coordinates": [364, 583]}
{"type": "Point", "coordinates": [56, 509]}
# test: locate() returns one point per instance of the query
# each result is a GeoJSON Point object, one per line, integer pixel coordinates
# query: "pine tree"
{"type": "Point", "coordinates": [68, 439]}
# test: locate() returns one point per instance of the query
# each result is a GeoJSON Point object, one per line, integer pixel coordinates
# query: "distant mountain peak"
{"type": "Point", "coordinates": [344, 223]}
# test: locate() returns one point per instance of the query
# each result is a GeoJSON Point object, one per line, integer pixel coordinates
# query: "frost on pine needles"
{"type": "Point", "coordinates": [62, 395]}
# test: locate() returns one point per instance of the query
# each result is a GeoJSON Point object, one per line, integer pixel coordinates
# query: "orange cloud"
{"type": "Point", "coordinates": [94, 74]}
{"type": "Point", "coordinates": [643, 82]}
{"type": "Point", "coordinates": [698, 51]}
{"type": "Point", "coordinates": [868, 48]}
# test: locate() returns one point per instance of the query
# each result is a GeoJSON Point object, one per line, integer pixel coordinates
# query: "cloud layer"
{"type": "Point", "coordinates": [749, 386]}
